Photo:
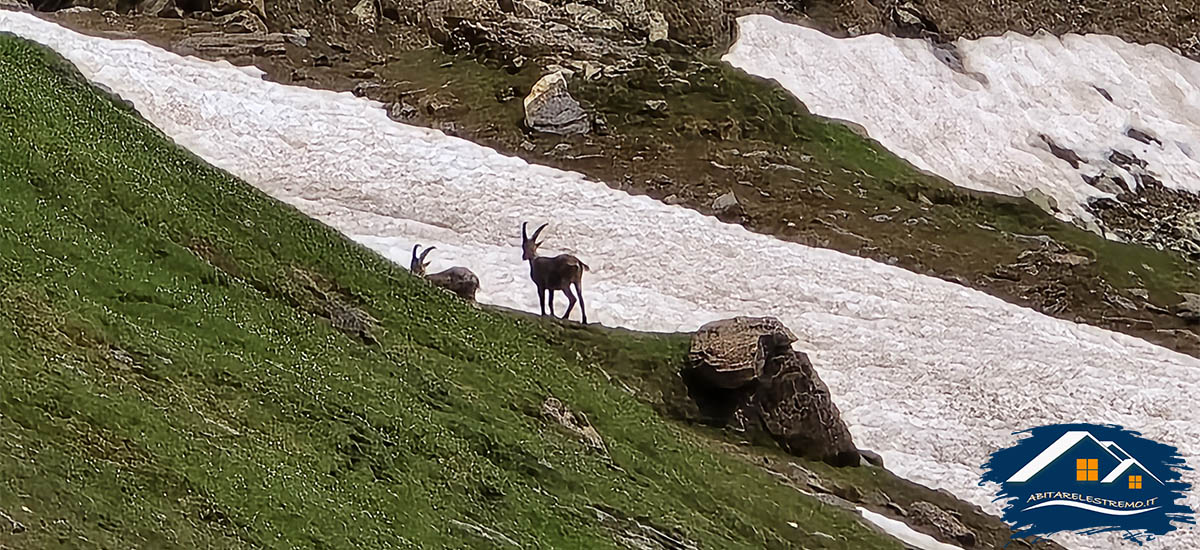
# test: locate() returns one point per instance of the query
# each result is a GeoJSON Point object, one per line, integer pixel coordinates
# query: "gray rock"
{"type": "Point", "coordinates": [533, 9]}
{"type": "Point", "coordinates": [1042, 200]}
{"type": "Point", "coordinates": [219, 44]}
{"type": "Point", "coordinates": [366, 14]}
{"type": "Point", "coordinates": [725, 203]}
{"type": "Point", "coordinates": [871, 458]}
{"type": "Point", "coordinates": [656, 105]}
{"type": "Point", "coordinates": [401, 111]}
{"type": "Point", "coordinates": [749, 362]}
{"type": "Point", "coordinates": [241, 22]}
{"type": "Point", "coordinates": [550, 108]}
{"type": "Point", "coordinates": [593, 18]}
{"type": "Point", "coordinates": [1189, 308]}
{"type": "Point", "coordinates": [731, 353]}
{"type": "Point", "coordinates": [942, 523]}
{"type": "Point", "coordinates": [656, 26]}
{"type": "Point", "coordinates": [576, 423]}
{"type": "Point", "coordinates": [798, 410]}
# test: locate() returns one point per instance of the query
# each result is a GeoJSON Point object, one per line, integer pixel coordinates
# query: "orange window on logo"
{"type": "Point", "coordinates": [1135, 482]}
{"type": "Point", "coordinates": [1087, 469]}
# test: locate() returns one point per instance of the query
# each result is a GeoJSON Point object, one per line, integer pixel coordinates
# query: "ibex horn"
{"type": "Point", "coordinates": [426, 252]}
{"type": "Point", "coordinates": [538, 232]}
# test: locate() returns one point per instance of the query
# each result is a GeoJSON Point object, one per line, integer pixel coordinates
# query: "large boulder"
{"type": "Point", "coordinates": [797, 409]}
{"type": "Point", "coordinates": [549, 108]}
{"type": "Point", "coordinates": [744, 373]}
{"type": "Point", "coordinates": [731, 353]}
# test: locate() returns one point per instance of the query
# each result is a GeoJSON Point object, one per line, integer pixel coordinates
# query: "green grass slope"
{"type": "Point", "coordinates": [187, 363]}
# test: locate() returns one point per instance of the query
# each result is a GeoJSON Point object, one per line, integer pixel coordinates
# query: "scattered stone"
{"type": "Point", "coordinates": [941, 522]}
{"type": "Point", "coordinates": [725, 203]}
{"type": "Point", "coordinates": [593, 18]}
{"type": "Point", "coordinates": [1189, 308]}
{"type": "Point", "coordinates": [363, 73]}
{"type": "Point", "coordinates": [1068, 259]}
{"type": "Point", "coordinates": [871, 458]}
{"type": "Point", "coordinates": [577, 423]}
{"type": "Point", "coordinates": [219, 44]}
{"type": "Point", "coordinates": [1104, 93]}
{"type": "Point", "coordinates": [533, 9]}
{"type": "Point", "coordinates": [296, 39]}
{"type": "Point", "coordinates": [1140, 293]}
{"type": "Point", "coordinates": [241, 22]}
{"type": "Point", "coordinates": [550, 108]}
{"type": "Point", "coordinates": [401, 111]}
{"type": "Point", "coordinates": [1042, 200]}
{"type": "Point", "coordinates": [672, 200]}
{"type": "Point", "coordinates": [1068, 155]}
{"type": "Point", "coordinates": [1121, 301]}
{"type": "Point", "coordinates": [15, 5]}
{"type": "Point", "coordinates": [528, 145]}
{"type": "Point", "coordinates": [880, 218]}
{"type": "Point", "coordinates": [656, 106]}
{"type": "Point", "coordinates": [657, 28]}
{"type": "Point", "coordinates": [366, 14]}
{"type": "Point", "coordinates": [1106, 182]}
{"type": "Point", "coordinates": [1142, 136]}
{"type": "Point", "coordinates": [362, 88]}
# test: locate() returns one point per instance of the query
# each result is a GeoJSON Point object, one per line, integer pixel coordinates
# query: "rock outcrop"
{"type": "Point", "coordinates": [745, 371]}
{"type": "Point", "coordinates": [943, 524]}
{"type": "Point", "coordinates": [550, 108]}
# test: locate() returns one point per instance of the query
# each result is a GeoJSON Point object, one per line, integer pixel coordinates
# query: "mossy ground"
{"type": "Point", "coordinates": [170, 376]}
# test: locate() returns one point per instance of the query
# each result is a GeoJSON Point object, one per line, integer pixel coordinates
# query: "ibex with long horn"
{"type": "Point", "coordinates": [458, 280]}
{"type": "Point", "coordinates": [552, 273]}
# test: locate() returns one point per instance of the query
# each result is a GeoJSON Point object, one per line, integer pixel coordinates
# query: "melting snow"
{"type": "Point", "coordinates": [902, 531]}
{"type": "Point", "coordinates": [932, 375]}
{"type": "Point", "coordinates": [980, 127]}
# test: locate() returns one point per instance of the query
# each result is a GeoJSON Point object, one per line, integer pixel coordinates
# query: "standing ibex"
{"type": "Point", "coordinates": [552, 273]}
{"type": "Point", "coordinates": [458, 280]}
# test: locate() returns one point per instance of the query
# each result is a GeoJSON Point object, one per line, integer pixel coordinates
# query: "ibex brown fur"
{"type": "Point", "coordinates": [552, 273]}
{"type": "Point", "coordinates": [458, 280]}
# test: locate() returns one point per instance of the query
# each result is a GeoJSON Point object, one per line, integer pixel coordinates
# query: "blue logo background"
{"type": "Point", "coordinates": [1089, 479]}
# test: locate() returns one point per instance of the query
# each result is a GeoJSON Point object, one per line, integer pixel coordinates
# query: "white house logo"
{"type": "Point", "coordinates": [1090, 479]}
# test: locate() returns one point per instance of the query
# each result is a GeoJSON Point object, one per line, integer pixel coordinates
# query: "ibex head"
{"type": "Point", "coordinates": [418, 264]}
{"type": "Point", "coordinates": [529, 244]}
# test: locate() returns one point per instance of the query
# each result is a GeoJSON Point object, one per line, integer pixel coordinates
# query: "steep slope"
{"type": "Point", "coordinates": [719, 132]}
{"type": "Point", "coordinates": [954, 362]}
{"type": "Point", "coordinates": [185, 363]}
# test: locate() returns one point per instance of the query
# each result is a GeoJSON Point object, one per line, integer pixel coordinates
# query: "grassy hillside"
{"type": "Point", "coordinates": [187, 363]}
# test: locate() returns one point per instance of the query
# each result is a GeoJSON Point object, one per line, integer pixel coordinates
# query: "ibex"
{"type": "Point", "coordinates": [552, 273]}
{"type": "Point", "coordinates": [458, 280]}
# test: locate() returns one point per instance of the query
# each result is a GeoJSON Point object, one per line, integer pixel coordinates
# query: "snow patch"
{"type": "Point", "coordinates": [932, 375]}
{"type": "Point", "coordinates": [902, 531]}
{"type": "Point", "coordinates": [982, 127]}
